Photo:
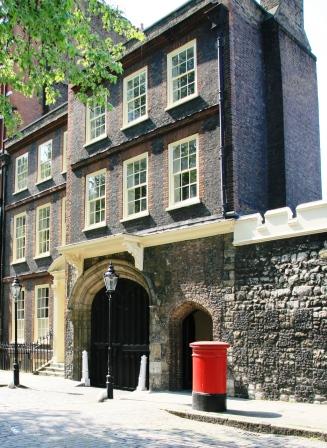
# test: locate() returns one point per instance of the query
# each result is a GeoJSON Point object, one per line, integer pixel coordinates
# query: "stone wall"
{"type": "Point", "coordinates": [280, 320]}
{"type": "Point", "coordinates": [187, 276]}
{"type": "Point", "coordinates": [268, 300]}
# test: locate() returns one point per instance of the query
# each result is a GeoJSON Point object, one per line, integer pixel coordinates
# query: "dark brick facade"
{"type": "Point", "coordinates": [268, 128]}
{"type": "Point", "coordinates": [34, 271]}
{"type": "Point", "coordinates": [269, 300]}
{"type": "Point", "coordinates": [158, 184]}
{"type": "Point", "coordinates": [30, 109]}
{"type": "Point", "coordinates": [157, 96]}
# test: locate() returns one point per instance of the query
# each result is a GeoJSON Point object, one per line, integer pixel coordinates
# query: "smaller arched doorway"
{"type": "Point", "coordinates": [196, 326]}
{"type": "Point", "coordinates": [130, 334]}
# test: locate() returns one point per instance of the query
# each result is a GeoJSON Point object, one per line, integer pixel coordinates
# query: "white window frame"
{"type": "Point", "coordinates": [170, 102]}
{"type": "Point", "coordinates": [39, 254]}
{"type": "Point", "coordinates": [126, 216]}
{"type": "Point", "coordinates": [21, 322]}
{"type": "Point", "coordinates": [64, 152]}
{"type": "Point", "coordinates": [17, 189]}
{"type": "Point", "coordinates": [126, 123]}
{"type": "Point", "coordinates": [39, 178]}
{"type": "Point", "coordinates": [63, 221]}
{"type": "Point", "coordinates": [184, 203]}
{"type": "Point", "coordinates": [89, 226]}
{"type": "Point", "coordinates": [15, 258]}
{"type": "Point", "coordinates": [88, 139]}
{"type": "Point", "coordinates": [37, 335]}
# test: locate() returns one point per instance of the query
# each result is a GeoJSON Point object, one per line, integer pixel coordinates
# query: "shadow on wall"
{"type": "Point", "coordinates": [230, 383]}
{"type": "Point", "coordinates": [235, 387]}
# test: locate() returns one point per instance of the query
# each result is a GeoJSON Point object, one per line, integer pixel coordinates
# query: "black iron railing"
{"type": "Point", "coordinates": [31, 356]}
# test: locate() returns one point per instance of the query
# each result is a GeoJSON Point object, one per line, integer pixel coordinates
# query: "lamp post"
{"type": "Point", "coordinates": [110, 280]}
{"type": "Point", "coordinates": [16, 288]}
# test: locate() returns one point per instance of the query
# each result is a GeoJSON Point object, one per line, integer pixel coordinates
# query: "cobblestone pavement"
{"type": "Point", "coordinates": [55, 413]}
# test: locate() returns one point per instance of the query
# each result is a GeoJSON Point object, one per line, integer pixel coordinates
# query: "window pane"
{"type": "Point", "coordinates": [42, 312]}
{"type": "Point", "coordinates": [43, 226]}
{"type": "Point", "coordinates": [136, 96]}
{"type": "Point", "coordinates": [45, 160]}
{"type": "Point", "coordinates": [20, 237]}
{"type": "Point", "coordinates": [193, 191]}
{"type": "Point", "coordinates": [183, 74]}
{"type": "Point", "coordinates": [21, 172]}
{"type": "Point", "coordinates": [96, 186]}
{"type": "Point", "coordinates": [136, 186]}
{"type": "Point", "coordinates": [96, 121]}
{"type": "Point", "coordinates": [184, 170]}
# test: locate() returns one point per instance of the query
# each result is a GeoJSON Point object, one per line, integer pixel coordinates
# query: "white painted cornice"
{"type": "Point", "coordinates": [277, 224]}
{"type": "Point", "coordinates": [135, 244]}
{"type": "Point", "coordinates": [58, 265]}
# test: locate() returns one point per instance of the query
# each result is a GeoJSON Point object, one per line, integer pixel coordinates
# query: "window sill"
{"type": "Point", "coordinates": [183, 204]}
{"type": "Point", "coordinates": [45, 255]}
{"type": "Point", "coordinates": [20, 191]}
{"type": "Point", "coordinates": [136, 216]}
{"type": "Point", "coordinates": [180, 102]}
{"type": "Point", "coordinates": [43, 180]}
{"type": "Point", "coordinates": [134, 123]}
{"type": "Point", "coordinates": [98, 139]}
{"type": "Point", "coordinates": [21, 260]}
{"type": "Point", "coordinates": [64, 172]}
{"type": "Point", "coordinates": [101, 225]}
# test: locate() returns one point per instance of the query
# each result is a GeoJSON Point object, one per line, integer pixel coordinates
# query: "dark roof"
{"type": "Point", "coordinates": [44, 122]}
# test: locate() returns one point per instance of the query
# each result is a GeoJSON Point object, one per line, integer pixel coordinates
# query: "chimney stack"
{"type": "Point", "coordinates": [270, 4]}
{"type": "Point", "coordinates": [290, 14]}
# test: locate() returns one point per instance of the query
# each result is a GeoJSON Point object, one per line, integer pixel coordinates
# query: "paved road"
{"type": "Point", "coordinates": [56, 413]}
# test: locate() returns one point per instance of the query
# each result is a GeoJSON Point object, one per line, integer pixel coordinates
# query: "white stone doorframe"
{"type": "Point", "coordinates": [57, 270]}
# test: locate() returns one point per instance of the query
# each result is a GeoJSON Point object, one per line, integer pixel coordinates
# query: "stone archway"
{"type": "Point", "coordinates": [78, 319]}
{"type": "Point", "coordinates": [196, 326]}
{"type": "Point", "coordinates": [176, 338]}
{"type": "Point", "coordinates": [176, 319]}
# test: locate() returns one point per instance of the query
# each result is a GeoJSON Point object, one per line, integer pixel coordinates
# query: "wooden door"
{"type": "Point", "coordinates": [130, 334]}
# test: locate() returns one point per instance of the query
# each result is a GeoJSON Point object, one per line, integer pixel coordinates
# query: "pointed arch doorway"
{"type": "Point", "coordinates": [196, 326]}
{"type": "Point", "coordinates": [130, 334]}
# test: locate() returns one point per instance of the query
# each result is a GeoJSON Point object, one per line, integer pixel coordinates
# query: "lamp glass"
{"type": "Point", "coordinates": [15, 289]}
{"type": "Point", "coordinates": [110, 279]}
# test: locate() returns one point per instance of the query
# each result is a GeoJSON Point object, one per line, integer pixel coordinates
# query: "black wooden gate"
{"type": "Point", "coordinates": [130, 334]}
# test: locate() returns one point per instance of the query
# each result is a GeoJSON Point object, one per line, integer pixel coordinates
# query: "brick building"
{"type": "Point", "coordinates": [216, 116]}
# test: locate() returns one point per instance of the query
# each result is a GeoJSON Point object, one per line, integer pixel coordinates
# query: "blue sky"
{"type": "Point", "coordinates": [315, 16]}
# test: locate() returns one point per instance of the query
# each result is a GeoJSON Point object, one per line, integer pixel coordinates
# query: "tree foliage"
{"type": "Point", "coordinates": [45, 42]}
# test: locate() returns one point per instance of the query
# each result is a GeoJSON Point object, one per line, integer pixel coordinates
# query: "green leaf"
{"type": "Point", "coordinates": [46, 42]}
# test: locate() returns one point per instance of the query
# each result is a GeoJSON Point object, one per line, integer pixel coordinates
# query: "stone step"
{"type": "Point", "coordinates": [46, 373]}
{"type": "Point", "coordinates": [57, 365]}
{"type": "Point", "coordinates": [51, 370]}
{"type": "Point", "coordinates": [54, 369]}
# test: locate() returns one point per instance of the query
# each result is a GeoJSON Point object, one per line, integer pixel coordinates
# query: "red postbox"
{"type": "Point", "coordinates": [209, 375]}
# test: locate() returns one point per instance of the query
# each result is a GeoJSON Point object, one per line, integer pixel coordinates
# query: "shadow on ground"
{"type": "Point", "coordinates": [70, 429]}
{"type": "Point", "coordinates": [259, 414]}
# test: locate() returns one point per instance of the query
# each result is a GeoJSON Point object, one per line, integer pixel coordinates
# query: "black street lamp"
{"type": "Point", "coordinates": [110, 280]}
{"type": "Point", "coordinates": [16, 288]}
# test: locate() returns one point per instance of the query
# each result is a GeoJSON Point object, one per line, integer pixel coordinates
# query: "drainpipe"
{"type": "Point", "coordinates": [220, 47]}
